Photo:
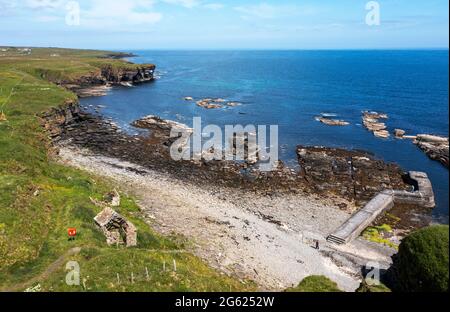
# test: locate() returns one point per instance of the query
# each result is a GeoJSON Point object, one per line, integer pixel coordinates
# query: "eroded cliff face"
{"type": "Point", "coordinates": [56, 119]}
{"type": "Point", "coordinates": [117, 75]}
{"type": "Point", "coordinates": [97, 82]}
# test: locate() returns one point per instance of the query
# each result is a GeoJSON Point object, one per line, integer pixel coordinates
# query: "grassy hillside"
{"type": "Point", "coordinates": [40, 199]}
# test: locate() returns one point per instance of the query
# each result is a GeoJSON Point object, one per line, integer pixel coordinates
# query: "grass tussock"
{"type": "Point", "coordinates": [315, 283]}
{"type": "Point", "coordinates": [378, 234]}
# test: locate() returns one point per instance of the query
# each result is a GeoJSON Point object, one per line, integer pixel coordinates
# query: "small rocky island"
{"type": "Point", "coordinates": [331, 122]}
{"type": "Point", "coordinates": [371, 120]}
{"type": "Point", "coordinates": [211, 103]}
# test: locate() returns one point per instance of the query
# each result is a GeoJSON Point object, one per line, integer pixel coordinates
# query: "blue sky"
{"type": "Point", "coordinates": [224, 24]}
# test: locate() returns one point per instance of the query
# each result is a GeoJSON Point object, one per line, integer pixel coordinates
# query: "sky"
{"type": "Point", "coordinates": [225, 24]}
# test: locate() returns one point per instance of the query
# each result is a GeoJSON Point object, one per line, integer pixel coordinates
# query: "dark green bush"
{"type": "Point", "coordinates": [421, 264]}
{"type": "Point", "coordinates": [315, 283]}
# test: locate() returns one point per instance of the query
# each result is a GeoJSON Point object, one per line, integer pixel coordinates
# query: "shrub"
{"type": "Point", "coordinates": [315, 283]}
{"type": "Point", "coordinates": [421, 264]}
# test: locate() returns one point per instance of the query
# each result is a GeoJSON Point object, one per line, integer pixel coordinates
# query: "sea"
{"type": "Point", "coordinates": [291, 88]}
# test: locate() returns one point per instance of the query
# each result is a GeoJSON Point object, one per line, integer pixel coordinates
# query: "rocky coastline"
{"type": "Point", "coordinates": [118, 55]}
{"type": "Point", "coordinates": [348, 179]}
{"type": "Point", "coordinates": [97, 84]}
{"type": "Point", "coordinates": [325, 170]}
{"type": "Point", "coordinates": [436, 147]}
{"type": "Point", "coordinates": [280, 209]}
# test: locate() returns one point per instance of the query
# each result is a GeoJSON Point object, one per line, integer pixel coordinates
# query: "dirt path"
{"type": "Point", "coordinates": [267, 239]}
{"type": "Point", "coordinates": [53, 267]}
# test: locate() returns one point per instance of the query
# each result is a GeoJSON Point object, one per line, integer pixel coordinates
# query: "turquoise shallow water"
{"type": "Point", "coordinates": [289, 88]}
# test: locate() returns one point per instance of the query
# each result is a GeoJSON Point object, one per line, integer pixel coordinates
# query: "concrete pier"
{"type": "Point", "coordinates": [422, 195]}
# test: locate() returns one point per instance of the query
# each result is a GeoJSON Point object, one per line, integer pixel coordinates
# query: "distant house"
{"type": "Point", "coordinates": [25, 50]}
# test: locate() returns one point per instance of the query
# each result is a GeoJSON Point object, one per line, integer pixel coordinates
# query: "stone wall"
{"type": "Point", "coordinates": [116, 228]}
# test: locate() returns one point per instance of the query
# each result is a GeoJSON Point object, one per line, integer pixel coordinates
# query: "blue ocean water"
{"type": "Point", "coordinates": [290, 88]}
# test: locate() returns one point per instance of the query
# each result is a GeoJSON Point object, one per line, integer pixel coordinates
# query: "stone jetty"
{"type": "Point", "coordinates": [422, 195]}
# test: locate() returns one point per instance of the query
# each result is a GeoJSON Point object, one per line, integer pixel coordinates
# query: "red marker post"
{"type": "Point", "coordinates": [72, 232]}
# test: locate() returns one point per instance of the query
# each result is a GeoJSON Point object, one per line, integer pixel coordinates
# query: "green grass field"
{"type": "Point", "coordinates": [40, 199]}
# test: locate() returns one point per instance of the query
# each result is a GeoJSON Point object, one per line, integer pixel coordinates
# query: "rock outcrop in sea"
{"type": "Point", "coordinates": [332, 122]}
{"type": "Point", "coordinates": [436, 147]}
{"type": "Point", "coordinates": [399, 133]}
{"type": "Point", "coordinates": [210, 103]}
{"type": "Point", "coordinates": [371, 120]}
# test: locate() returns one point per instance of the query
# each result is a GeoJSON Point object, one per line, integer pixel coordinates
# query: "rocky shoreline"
{"type": "Point", "coordinates": [348, 179]}
{"type": "Point", "coordinates": [325, 170]}
{"type": "Point", "coordinates": [436, 147]}
{"type": "Point", "coordinates": [275, 216]}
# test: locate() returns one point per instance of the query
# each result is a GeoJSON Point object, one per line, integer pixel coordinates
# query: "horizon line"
{"type": "Point", "coordinates": [114, 49]}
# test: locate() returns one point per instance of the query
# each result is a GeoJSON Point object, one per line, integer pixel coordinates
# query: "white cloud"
{"type": "Point", "coordinates": [12, 8]}
{"type": "Point", "coordinates": [6, 7]}
{"type": "Point", "coordinates": [44, 4]}
{"type": "Point", "coordinates": [268, 11]}
{"type": "Point", "coordinates": [113, 14]}
{"type": "Point", "coordinates": [99, 13]}
{"type": "Point", "coordinates": [186, 3]}
{"type": "Point", "coordinates": [96, 14]}
{"type": "Point", "coordinates": [195, 3]}
{"type": "Point", "coordinates": [214, 6]}
{"type": "Point", "coordinates": [48, 18]}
